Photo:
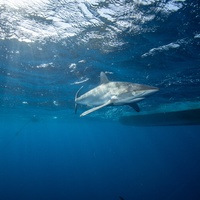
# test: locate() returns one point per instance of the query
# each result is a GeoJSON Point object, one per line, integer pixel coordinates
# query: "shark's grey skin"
{"type": "Point", "coordinates": [113, 93]}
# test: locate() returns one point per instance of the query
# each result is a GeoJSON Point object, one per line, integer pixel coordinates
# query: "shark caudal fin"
{"type": "Point", "coordinates": [76, 96]}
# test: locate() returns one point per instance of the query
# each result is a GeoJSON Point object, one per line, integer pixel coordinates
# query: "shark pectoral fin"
{"type": "Point", "coordinates": [96, 108]}
{"type": "Point", "coordinates": [135, 106]}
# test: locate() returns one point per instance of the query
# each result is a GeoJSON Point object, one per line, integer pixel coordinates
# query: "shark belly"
{"type": "Point", "coordinates": [94, 97]}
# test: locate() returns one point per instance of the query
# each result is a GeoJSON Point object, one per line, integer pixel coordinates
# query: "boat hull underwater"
{"type": "Point", "coordinates": [172, 118]}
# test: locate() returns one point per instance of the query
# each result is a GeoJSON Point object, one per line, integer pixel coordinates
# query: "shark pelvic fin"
{"type": "Point", "coordinates": [76, 96]}
{"type": "Point", "coordinates": [96, 108]}
{"type": "Point", "coordinates": [103, 78]}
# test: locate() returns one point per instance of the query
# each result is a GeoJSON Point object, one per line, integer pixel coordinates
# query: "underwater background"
{"type": "Point", "coordinates": [49, 49]}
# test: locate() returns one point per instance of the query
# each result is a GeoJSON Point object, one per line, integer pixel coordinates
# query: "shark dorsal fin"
{"type": "Point", "coordinates": [103, 78]}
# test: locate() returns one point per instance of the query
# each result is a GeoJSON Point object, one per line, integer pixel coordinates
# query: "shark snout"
{"type": "Point", "coordinates": [145, 91]}
{"type": "Point", "coordinates": [151, 90]}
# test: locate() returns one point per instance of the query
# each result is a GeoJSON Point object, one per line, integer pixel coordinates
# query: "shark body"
{"type": "Point", "coordinates": [113, 93]}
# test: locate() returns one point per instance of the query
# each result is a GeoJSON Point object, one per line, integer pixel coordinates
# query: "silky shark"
{"type": "Point", "coordinates": [113, 93]}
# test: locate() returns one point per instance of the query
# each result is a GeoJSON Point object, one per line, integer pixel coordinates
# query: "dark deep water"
{"type": "Point", "coordinates": [48, 50]}
{"type": "Point", "coordinates": [99, 160]}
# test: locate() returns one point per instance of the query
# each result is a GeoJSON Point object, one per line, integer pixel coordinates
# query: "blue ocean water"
{"type": "Point", "coordinates": [93, 160]}
{"type": "Point", "coordinates": [48, 50]}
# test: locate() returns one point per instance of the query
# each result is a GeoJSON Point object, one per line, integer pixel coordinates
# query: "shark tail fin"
{"type": "Point", "coordinates": [76, 96]}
